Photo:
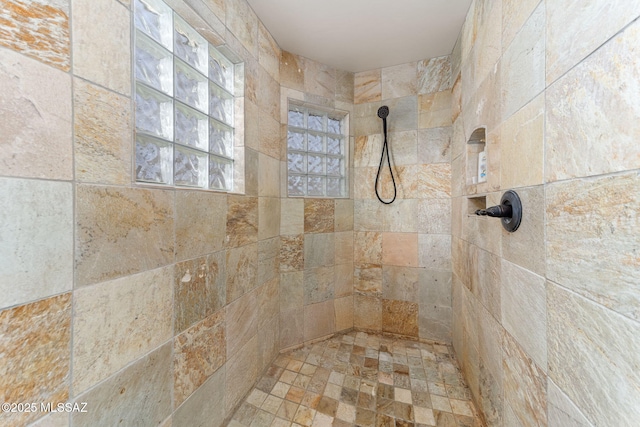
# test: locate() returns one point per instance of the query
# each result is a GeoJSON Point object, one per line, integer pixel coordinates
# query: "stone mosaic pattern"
{"type": "Point", "coordinates": [361, 379]}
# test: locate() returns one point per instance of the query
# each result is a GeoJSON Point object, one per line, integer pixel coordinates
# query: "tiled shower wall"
{"type": "Point", "coordinates": [546, 319]}
{"type": "Point", "coordinates": [145, 302]}
{"type": "Point", "coordinates": [402, 251]}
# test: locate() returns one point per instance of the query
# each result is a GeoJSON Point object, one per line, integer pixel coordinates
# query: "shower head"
{"type": "Point", "coordinates": [383, 112]}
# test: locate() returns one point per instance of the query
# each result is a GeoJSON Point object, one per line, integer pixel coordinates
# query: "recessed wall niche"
{"type": "Point", "coordinates": [476, 149]}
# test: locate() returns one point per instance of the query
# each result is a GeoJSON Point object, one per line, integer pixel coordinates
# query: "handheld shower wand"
{"type": "Point", "coordinates": [383, 112]}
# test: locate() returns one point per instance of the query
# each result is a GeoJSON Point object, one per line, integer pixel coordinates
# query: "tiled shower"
{"type": "Point", "coordinates": [159, 305]}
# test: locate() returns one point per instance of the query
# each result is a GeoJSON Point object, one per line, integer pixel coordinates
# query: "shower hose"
{"type": "Point", "coordinates": [383, 112]}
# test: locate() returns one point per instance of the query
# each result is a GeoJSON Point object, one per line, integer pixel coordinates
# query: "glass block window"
{"type": "Point", "coordinates": [316, 147]}
{"type": "Point", "coordinates": [184, 97]}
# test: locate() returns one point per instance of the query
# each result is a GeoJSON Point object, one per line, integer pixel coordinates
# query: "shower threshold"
{"type": "Point", "coordinates": [361, 379]}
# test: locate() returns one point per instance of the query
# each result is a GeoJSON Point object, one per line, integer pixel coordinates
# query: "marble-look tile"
{"type": "Point", "coordinates": [562, 411]}
{"type": "Point", "coordinates": [514, 15]}
{"type": "Point", "coordinates": [34, 346]}
{"type": "Point", "coordinates": [291, 216]}
{"type": "Point", "coordinates": [403, 114]}
{"type": "Point", "coordinates": [292, 71]}
{"type": "Point", "coordinates": [270, 139]}
{"type": "Point", "coordinates": [525, 384]}
{"type": "Point", "coordinates": [117, 322]}
{"type": "Point", "coordinates": [206, 405]}
{"type": "Point", "coordinates": [318, 285]}
{"type": "Point", "coordinates": [268, 51]}
{"type": "Point", "coordinates": [242, 220]}
{"type": "Point", "coordinates": [268, 217]}
{"type": "Point", "coordinates": [367, 279]}
{"type": "Point", "coordinates": [292, 253]}
{"type": "Point", "coordinates": [403, 148]}
{"type": "Point", "coordinates": [319, 79]}
{"type": "Point", "coordinates": [524, 311]}
{"type": "Point", "coordinates": [268, 176]}
{"type": "Point", "coordinates": [319, 215]}
{"type": "Point", "coordinates": [101, 35]}
{"type": "Point", "coordinates": [120, 231]}
{"type": "Point", "coordinates": [367, 247]}
{"type": "Point", "coordinates": [491, 399]}
{"type": "Point", "coordinates": [200, 223]}
{"type": "Point", "coordinates": [399, 80]}
{"type": "Point", "coordinates": [434, 75]}
{"type": "Point", "coordinates": [367, 312]}
{"type": "Point", "coordinates": [102, 126]}
{"type": "Point", "coordinates": [593, 356]}
{"type": "Point", "coordinates": [523, 64]}
{"type": "Point", "coordinates": [522, 137]}
{"type": "Point", "coordinates": [367, 215]}
{"type": "Point", "coordinates": [592, 239]}
{"type": "Point", "coordinates": [434, 251]}
{"type": "Point", "coordinates": [434, 145]}
{"type": "Point", "coordinates": [198, 353]}
{"type": "Point", "coordinates": [434, 323]}
{"type": "Point", "coordinates": [141, 391]}
{"type": "Point", "coordinates": [427, 181]}
{"type": "Point", "coordinates": [401, 216]}
{"type": "Point", "coordinates": [574, 30]}
{"type": "Point", "coordinates": [199, 289]}
{"type": "Point", "coordinates": [434, 109]}
{"type": "Point", "coordinates": [39, 29]}
{"type": "Point", "coordinates": [268, 260]}
{"type": "Point", "coordinates": [344, 86]}
{"type": "Point", "coordinates": [400, 249]}
{"type": "Point", "coordinates": [243, 23]}
{"type": "Point", "coordinates": [319, 320]}
{"type": "Point", "coordinates": [344, 313]}
{"type": "Point", "coordinates": [241, 322]}
{"type": "Point", "coordinates": [36, 127]}
{"type": "Point", "coordinates": [291, 327]}
{"type": "Point", "coordinates": [367, 87]}
{"type": "Point", "coordinates": [268, 103]}
{"type": "Point", "coordinates": [343, 279]}
{"type": "Point", "coordinates": [344, 252]}
{"type": "Point", "coordinates": [241, 270]}
{"type": "Point", "coordinates": [433, 216]}
{"type": "Point", "coordinates": [591, 126]}
{"type": "Point", "coordinates": [433, 288]}
{"type": "Point", "coordinates": [319, 250]}
{"type": "Point", "coordinates": [400, 317]}
{"type": "Point", "coordinates": [291, 291]}
{"type": "Point", "coordinates": [367, 150]}
{"type": "Point", "coordinates": [400, 283]}
{"type": "Point", "coordinates": [343, 211]}
{"type": "Point", "coordinates": [35, 212]}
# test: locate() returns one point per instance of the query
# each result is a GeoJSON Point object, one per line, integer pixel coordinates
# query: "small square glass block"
{"type": "Point", "coordinates": [334, 126]}
{"type": "Point", "coordinates": [295, 140]}
{"type": "Point", "coordinates": [297, 162]}
{"type": "Point", "coordinates": [190, 46]}
{"type": "Point", "coordinates": [155, 19]}
{"type": "Point", "coordinates": [316, 185]}
{"type": "Point", "coordinates": [334, 187]}
{"type": "Point", "coordinates": [316, 164]}
{"type": "Point", "coordinates": [334, 166]}
{"type": "Point", "coordinates": [220, 139]}
{"type": "Point", "coordinates": [316, 143]}
{"type": "Point", "coordinates": [220, 105]}
{"type": "Point", "coordinates": [220, 70]}
{"type": "Point", "coordinates": [154, 160]}
{"type": "Point", "coordinates": [297, 185]}
{"type": "Point", "coordinates": [316, 121]}
{"type": "Point", "coordinates": [296, 118]}
{"type": "Point", "coordinates": [190, 167]}
{"type": "Point", "coordinates": [192, 88]}
{"type": "Point", "coordinates": [220, 173]}
{"type": "Point", "coordinates": [154, 64]}
{"type": "Point", "coordinates": [334, 145]}
{"type": "Point", "coordinates": [154, 112]}
{"type": "Point", "coordinates": [192, 127]}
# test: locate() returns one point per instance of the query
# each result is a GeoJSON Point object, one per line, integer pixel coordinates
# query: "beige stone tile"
{"type": "Point", "coordinates": [434, 323]}
{"type": "Point", "coordinates": [521, 150]}
{"type": "Point", "coordinates": [434, 145]}
{"type": "Point", "coordinates": [583, 27]}
{"type": "Point", "coordinates": [368, 215]}
{"type": "Point", "coordinates": [251, 172]}
{"type": "Point", "coordinates": [400, 249]}
{"type": "Point", "coordinates": [523, 64]}
{"type": "Point", "coordinates": [268, 217]}
{"type": "Point", "coordinates": [292, 71]}
{"type": "Point", "coordinates": [291, 291]}
{"type": "Point", "coordinates": [101, 35]}
{"type": "Point", "coordinates": [319, 215]}
{"type": "Point", "coordinates": [242, 220]}
{"type": "Point", "coordinates": [433, 216]}
{"type": "Point", "coordinates": [434, 251]}
{"type": "Point", "coordinates": [593, 354]}
{"type": "Point", "coordinates": [399, 80]}
{"type": "Point", "coordinates": [592, 239]}
{"type": "Point", "coordinates": [477, 111]}
{"type": "Point", "coordinates": [318, 284]}
{"type": "Point", "coordinates": [291, 327]}
{"type": "Point", "coordinates": [36, 110]}
{"type": "Point", "coordinates": [319, 79]}
{"type": "Point", "coordinates": [270, 137]}
{"type": "Point", "coordinates": [268, 176]}
{"type": "Point", "coordinates": [43, 36]}
{"type": "Point", "coordinates": [198, 353]}
{"type": "Point", "coordinates": [434, 75]}
{"type": "Point", "coordinates": [433, 288]}
{"type": "Point", "coordinates": [241, 270]}
{"type": "Point", "coordinates": [42, 212]}
{"type": "Point", "coordinates": [426, 181]}
{"type": "Point", "coordinates": [54, 419]}
{"type": "Point", "coordinates": [489, 280]}
{"type": "Point", "coordinates": [243, 23]}
{"type": "Point", "coordinates": [141, 391]}
{"type": "Point", "coordinates": [562, 411]}
{"type": "Point", "coordinates": [200, 223]}
{"type": "Point", "coordinates": [241, 322]}
{"type": "Point", "coordinates": [343, 212]}
{"type": "Point", "coordinates": [319, 250]}
{"type": "Point", "coordinates": [117, 322]}
{"type": "Point", "coordinates": [241, 373]}
{"type": "Point", "coordinates": [319, 320]}
{"type": "Point", "coordinates": [403, 114]}
{"type": "Point", "coordinates": [268, 342]}
{"type": "Point", "coordinates": [367, 312]}
{"type": "Point", "coordinates": [102, 125]}
{"type": "Point", "coordinates": [400, 317]}
{"type": "Point", "coordinates": [525, 384]}
{"type": "Point", "coordinates": [367, 247]}
{"type": "Point", "coordinates": [268, 52]}
{"type": "Point", "coordinates": [344, 86]}
{"type": "Point", "coordinates": [367, 150]}
{"type": "Point", "coordinates": [34, 342]}
{"type": "Point", "coordinates": [514, 16]}
{"type": "Point", "coordinates": [401, 216]}
{"type": "Point", "coordinates": [199, 289]}
{"type": "Point", "coordinates": [112, 224]}
{"type": "Point", "coordinates": [344, 247]}
{"type": "Point", "coordinates": [590, 111]}
{"type": "Point", "coordinates": [268, 260]}
{"type": "Point", "coordinates": [367, 87]}
{"type": "Point", "coordinates": [205, 405]}
{"type": "Point", "coordinates": [291, 216]}
{"type": "Point", "coordinates": [344, 313]}
{"type": "Point", "coordinates": [434, 110]}
{"type": "Point", "coordinates": [368, 279]}
{"type": "Point", "coordinates": [343, 280]}
{"type": "Point", "coordinates": [400, 283]}
{"type": "Point", "coordinates": [292, 253]}
{"type": "Point", "coordinates": [268, 103]}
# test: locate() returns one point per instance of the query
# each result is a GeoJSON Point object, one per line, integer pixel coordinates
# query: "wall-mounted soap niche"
{"type": "Point", "coordinates": [477, 157]}
{"type": "Point", "coordinates": [475, 203]}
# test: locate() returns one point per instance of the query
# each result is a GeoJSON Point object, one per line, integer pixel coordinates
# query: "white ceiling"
{"type": "Point", "coordinates": [360, 35]}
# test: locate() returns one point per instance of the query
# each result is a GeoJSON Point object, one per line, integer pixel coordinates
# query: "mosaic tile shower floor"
{"type": "Point", "coordinates": [361, 379]}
